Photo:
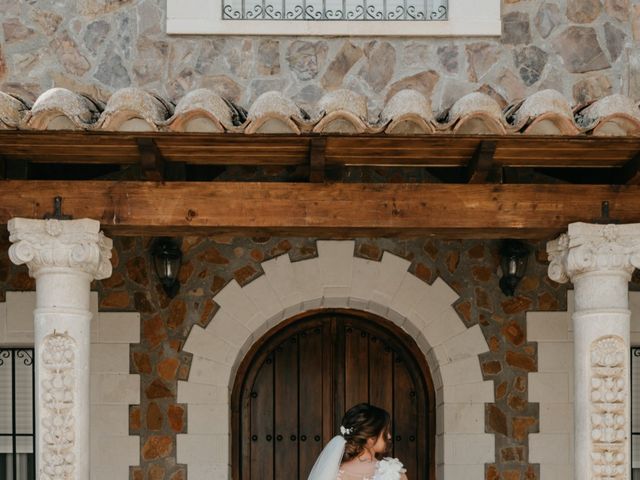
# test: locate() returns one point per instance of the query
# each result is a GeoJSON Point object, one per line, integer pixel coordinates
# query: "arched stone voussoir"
{"type": "Point", "coordinates": [336, 278]}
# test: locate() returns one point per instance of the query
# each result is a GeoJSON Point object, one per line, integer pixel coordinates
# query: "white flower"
{"type": "Point", "coordinates": [345, 431]}
{"type": "Point", "coordinates": [389, 469]}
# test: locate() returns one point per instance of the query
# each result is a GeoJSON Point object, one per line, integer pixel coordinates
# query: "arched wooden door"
{"type": "Point", "coordinates": [294, 386]}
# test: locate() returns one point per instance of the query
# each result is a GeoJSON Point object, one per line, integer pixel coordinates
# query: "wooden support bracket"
{"type": "Point", "coordinates": [481, 167]}
{"type": "Point", "coordinates": [630, 172]}
{"type": "Point", "coordinates": [151, 160]}
{"type": "Point", "coordinates": [317, 160]}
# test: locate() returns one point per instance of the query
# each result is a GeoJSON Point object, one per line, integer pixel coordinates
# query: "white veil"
{"type": "Point", "coordinates": [328, 463]}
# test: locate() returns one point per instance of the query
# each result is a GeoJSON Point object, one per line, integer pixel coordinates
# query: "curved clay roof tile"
{"type": "Point", "coordinates": [407, 112]}
{"type": "Point", "coordinates": [12, 111]}
{"type": "Point", "coordinates": [615, 115]}
{"type": "Point", "coordinates": [62, 109]}
{"type": "Point", "coordinates": [476, 113]}
{"type": "Point", "coordinates": [545, 113]}
{"type": "Point", "coordinates": [202, 110]}
{"type": "Point", "coordinates": [274, 113]}
{"type": "Point", "coordinates": [133, 109]}
{"type": "Point", "coordinates": [344, 112]}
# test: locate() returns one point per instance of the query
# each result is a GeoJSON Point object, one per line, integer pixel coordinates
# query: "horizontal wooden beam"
{"type": "Point", "coordinates": [438, 150]}
{"type": "Point", "coordinates": [325, 210]}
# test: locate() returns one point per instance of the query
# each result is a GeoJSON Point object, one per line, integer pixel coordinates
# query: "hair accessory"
{"type": "Point", "coordinates": [345, 431]}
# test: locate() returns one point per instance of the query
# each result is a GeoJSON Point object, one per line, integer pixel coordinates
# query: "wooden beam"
{"type": "Point", "coordinates": [326, 210]}
{"type": "Point", "coordinates": [151, 160]}
{"type": "Point", "coordinates": [317, 161]}
{"type": "Point", "coordinates": [437, 150]}
{"type": "Point", "coordinates": [630, 172]}
{"type": "Point", "coordinates": [481, 164]}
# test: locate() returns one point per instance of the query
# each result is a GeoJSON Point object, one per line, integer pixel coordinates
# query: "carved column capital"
{"type": "Point", "coordinates": [590, 247]}
{"type": "Point", "coordinates": [45, 245]}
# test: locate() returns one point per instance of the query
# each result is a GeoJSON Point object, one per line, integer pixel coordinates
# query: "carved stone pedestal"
{"type": "Point", "coordinates": [599, 260]}
{"type": "Point", "coordinates": [64, 256]}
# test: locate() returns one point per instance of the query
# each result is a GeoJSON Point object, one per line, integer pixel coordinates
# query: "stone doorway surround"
{"type": "Point", "coordinates": [337, 279]}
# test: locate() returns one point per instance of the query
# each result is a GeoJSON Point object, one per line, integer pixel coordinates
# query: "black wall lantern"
{"type": "Point", "coordinates": [513, 261]}
{"type": "Point", "coordinates": [167, 259]}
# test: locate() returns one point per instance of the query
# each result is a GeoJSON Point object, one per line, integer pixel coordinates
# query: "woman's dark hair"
{"type": "Point", "coordinates": [363, 422]}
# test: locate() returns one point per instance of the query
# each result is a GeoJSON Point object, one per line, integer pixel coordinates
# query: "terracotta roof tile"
{"type": "Point", "coordinates": [133, 109]}
{"type": "Point", "coordinates": [12, 111]}
{"type": "Point", "coordinates": [274, 113]}
{"type": "Point", "coordinates": [407, 112]}
{"type": "Point", "coordinates": [202, 110]}
{"type": "Point", "coordinates": [62, 109]}
{"type": "Point", "coordinates": [615, 115]}
{"type": "Point", "coordinates": [476, 113]}
{"type": "Point", "coordinates": [342, 111]}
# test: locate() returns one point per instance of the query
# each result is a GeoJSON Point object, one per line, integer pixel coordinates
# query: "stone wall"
{"type": "Point", "coordinates": [583, 48]}
{"type": "Point", "coordinates": [469, 267]}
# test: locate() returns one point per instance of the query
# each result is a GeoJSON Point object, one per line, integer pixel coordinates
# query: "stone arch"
{"type": "Point", "coordinates": [337, 279]}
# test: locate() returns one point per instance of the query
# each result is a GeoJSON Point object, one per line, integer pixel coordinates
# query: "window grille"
{"type": "Point", "coordinates": [403, 18]}
{"type": "Point", "coordinates": [335, 10]}
{"type": "Point", "coordinates": [17, 414]}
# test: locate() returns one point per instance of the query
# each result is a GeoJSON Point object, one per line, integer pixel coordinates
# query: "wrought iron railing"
{"type": "Point", "coordinates": [336, 10]}
{"type": "Point", "coordinates": [15, 364]}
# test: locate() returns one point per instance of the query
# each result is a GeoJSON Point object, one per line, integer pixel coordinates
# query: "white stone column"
{"type": "Point", "coordinates": [599, 260]}
{"type": "Point", "coordinates": [64, 256]}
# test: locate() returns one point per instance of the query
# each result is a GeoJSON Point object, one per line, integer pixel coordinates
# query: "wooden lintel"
{"type": "Point", "coordinates": [317, 159]}
{"type": "Point", "coordinates": [151, 160]}
{"type": "Point", "coordinates": [630, 172]}
{"type": "Point", "coordinates": [329, 210]}
{"type": "Point", "coordinates": [481, 164]}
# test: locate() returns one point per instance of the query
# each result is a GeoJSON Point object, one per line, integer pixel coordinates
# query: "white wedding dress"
{"type": "Point", "coordinates": [328, 466]}
{"type": "Point", "coordinates": [385, 469]}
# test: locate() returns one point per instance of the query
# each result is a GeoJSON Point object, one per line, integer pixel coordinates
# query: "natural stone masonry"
{"type": "Point", "coordinates": [337, 280]}
{"type": "Point", "coordinates": [470, 268]}
{"type": "Point", "coordinates": [119, 44]}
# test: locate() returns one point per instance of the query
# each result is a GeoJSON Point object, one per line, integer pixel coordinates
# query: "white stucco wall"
{"type": "Point", "coordinates": [552, 386]}
{"type": "Point", "coordinates": [113, 388]}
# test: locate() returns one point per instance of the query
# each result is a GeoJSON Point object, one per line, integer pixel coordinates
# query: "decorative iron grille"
{"type": "Point", "coordinates": [17, 414]}
{"type": "Point", "coordinates": [635, 413]}
{"type": "Point", "coordinates": [336, 10]}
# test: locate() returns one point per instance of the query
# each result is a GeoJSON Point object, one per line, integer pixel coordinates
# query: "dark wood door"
{"type": "Point", "coordinates": [298, 381]}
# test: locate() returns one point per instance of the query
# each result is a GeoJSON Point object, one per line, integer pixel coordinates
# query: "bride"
{"type": "Point", "coordinates": [356, 454]}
